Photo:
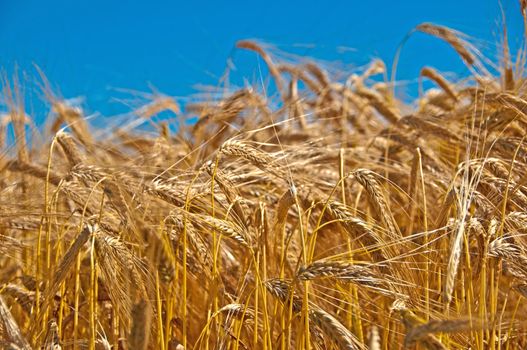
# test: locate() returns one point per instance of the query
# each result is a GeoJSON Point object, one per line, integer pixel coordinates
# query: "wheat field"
{"type": "Point", "coordinates": [331, 214]}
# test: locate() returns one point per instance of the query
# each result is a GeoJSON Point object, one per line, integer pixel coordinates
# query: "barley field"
{"type": "Point", "coordinates": [328, 214]}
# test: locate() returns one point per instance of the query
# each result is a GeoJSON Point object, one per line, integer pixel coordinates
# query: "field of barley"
{"type": "Point", "coordinates": [329, 213]}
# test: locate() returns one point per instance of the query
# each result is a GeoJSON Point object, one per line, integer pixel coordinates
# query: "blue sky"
{"type": "Point", "coordinates": [89, 48]}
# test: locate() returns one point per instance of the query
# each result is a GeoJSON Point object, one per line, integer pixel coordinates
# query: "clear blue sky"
{"type": "Point", "coordinates": [89, 47]}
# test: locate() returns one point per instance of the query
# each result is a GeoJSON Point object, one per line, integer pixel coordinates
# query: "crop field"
{"type": "Point", "coordinates": [326, 212]}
